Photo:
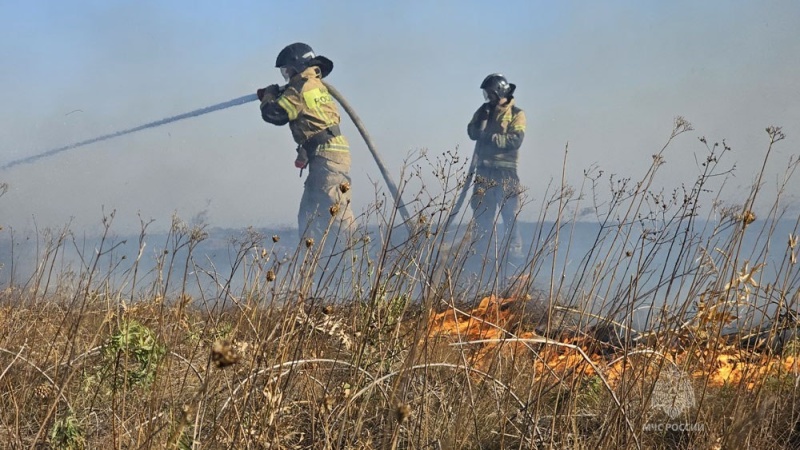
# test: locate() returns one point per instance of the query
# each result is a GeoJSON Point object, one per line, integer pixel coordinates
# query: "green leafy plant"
{"type": "Point", "coordinates": [135, 350]}
{"type": "Point", "coordinates": [67, 433]}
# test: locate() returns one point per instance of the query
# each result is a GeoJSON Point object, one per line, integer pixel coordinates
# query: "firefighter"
{"type": "Point", "coordinates": [498, 127]}
{"type": "Point", "coordinates": [313, 118]}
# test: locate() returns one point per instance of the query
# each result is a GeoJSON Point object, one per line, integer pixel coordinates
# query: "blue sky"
{"type": "Point", "coordinates": [607, 77]}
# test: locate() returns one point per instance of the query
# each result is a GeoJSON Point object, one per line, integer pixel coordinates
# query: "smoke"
{"type": "Point", "coordinates": [607, 79]}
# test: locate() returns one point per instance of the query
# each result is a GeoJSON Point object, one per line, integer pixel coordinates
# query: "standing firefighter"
{"type": "Point", "coordinates": [313, 117]}
{"type": "Point", "coordinates": [498, 127]}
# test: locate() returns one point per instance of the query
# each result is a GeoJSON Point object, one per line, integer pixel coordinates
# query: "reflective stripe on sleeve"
{"type": "Point", "coordinates": [291, 111]}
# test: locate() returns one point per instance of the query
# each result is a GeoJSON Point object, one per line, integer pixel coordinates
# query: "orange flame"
{"type": "Point", "coordinates": [489, 322]}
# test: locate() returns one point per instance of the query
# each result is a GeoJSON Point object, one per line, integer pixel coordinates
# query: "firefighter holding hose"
{"type": "Point", "coordinates": [313, 118]}
{"type": "Point", "coordinates": [498, 127]}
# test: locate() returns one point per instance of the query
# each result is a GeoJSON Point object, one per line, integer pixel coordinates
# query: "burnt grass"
{"type": "Point", "coordinates": [324, 376]}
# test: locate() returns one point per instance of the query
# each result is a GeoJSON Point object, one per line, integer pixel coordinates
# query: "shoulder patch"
{"type": "Point", "coordinates": [317, 97]}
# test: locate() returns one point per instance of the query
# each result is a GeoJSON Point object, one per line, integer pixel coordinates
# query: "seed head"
{"type": "Point", "coordinates": [275, 238]}
{"type": "Point", "coordinates": [270, 275]}
{"type": "Point", "coordinates": [43, 390]}
{"type": "Point", "coordinates": [402, 411]}
{"type": "Point", "coordinates": [328, 403]}
{"type": "Point", "coordinates": [224, 354]}
{"type": "Point", "coordinates": [309, 242]}
{"type": "Point", "coordinates": [334, 209]}
{"type": "Point", "coordinates": [344, 187]}
{"type": "Point", "coordinates": [748, 217]}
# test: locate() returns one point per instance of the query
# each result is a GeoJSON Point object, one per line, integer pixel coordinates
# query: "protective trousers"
{"type": "Point", "coordinates": [326, 198]}
{"type": "Point", "coordinates": [496, 189]}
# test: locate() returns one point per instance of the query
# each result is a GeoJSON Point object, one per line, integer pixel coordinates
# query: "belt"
{"type": "Point", "coordinates": [495, 164]}
{"type": "Point", "coordinates": [320, 138]}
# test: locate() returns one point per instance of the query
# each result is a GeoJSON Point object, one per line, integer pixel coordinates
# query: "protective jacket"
{"type": "Point", "coordinates": [313, 117]}
{"type": "Point", "coordinates": [308, 108]}
{"type": "Point", "coordinates": [499, 139]}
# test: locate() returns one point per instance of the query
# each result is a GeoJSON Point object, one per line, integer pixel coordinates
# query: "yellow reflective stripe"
{"type": "Point", "coordinates": [335, 144]}
{"type": "Point", "coordinates": [288, 107]}
{"type": "Point", "coordinates": [518, 128]}
{"type": "Point", "coordinates": [498, 164]}
{"type": "Point", "coordinates": [332, 148]}
{"type": "Point", "coordinates": [503, 164]}
{"type": "Point", "coordinates": [340, 140]}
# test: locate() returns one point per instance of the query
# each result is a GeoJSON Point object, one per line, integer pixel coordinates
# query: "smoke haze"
{"type": "Point", "coordinates": [606, 78]}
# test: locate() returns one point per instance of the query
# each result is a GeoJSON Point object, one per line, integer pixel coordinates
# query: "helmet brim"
{"type": "Point", "coordinates": [511, 89]}
{"type": "Point", "coordinates": [325, 65]}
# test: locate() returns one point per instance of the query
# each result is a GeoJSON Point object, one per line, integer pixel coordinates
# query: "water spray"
{"type": "Point", "coordinates": [197, 112]}
{"type": "Point", "coordinates": [228, 104]}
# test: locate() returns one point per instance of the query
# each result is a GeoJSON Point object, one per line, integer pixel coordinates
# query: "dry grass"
{"type": "Point", "coordinates": [392, 344]}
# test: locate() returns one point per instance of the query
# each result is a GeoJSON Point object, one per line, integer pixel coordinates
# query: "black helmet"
{"type": "Point", "coordinates": [498, 85]}
{"type": "Point", "coordinates": [299, 56]}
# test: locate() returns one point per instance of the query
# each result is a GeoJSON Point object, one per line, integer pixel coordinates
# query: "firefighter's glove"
{"type": "Point", "coordinates": [302, 158]}
{"type": "Point", "coordinates": [485, 112]}
{"type": "Point", "coordinates": [269, 93]}
{"type": "Point", "coordinates": [499, 140]}
{"type": "Point", "coordinates": [483, 120]}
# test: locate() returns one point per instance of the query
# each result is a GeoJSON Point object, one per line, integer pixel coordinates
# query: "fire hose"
{"type": "Point", "coordinates": [230, 103]}
{"type": "Point", "coordinates": [387, 178]}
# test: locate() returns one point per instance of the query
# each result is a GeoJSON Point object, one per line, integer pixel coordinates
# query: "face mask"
{"type": "Point", "coordinates": [286, 72]}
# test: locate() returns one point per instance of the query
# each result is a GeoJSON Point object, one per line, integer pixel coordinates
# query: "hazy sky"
{"type": "Point", "coordinates": [607, 77]}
